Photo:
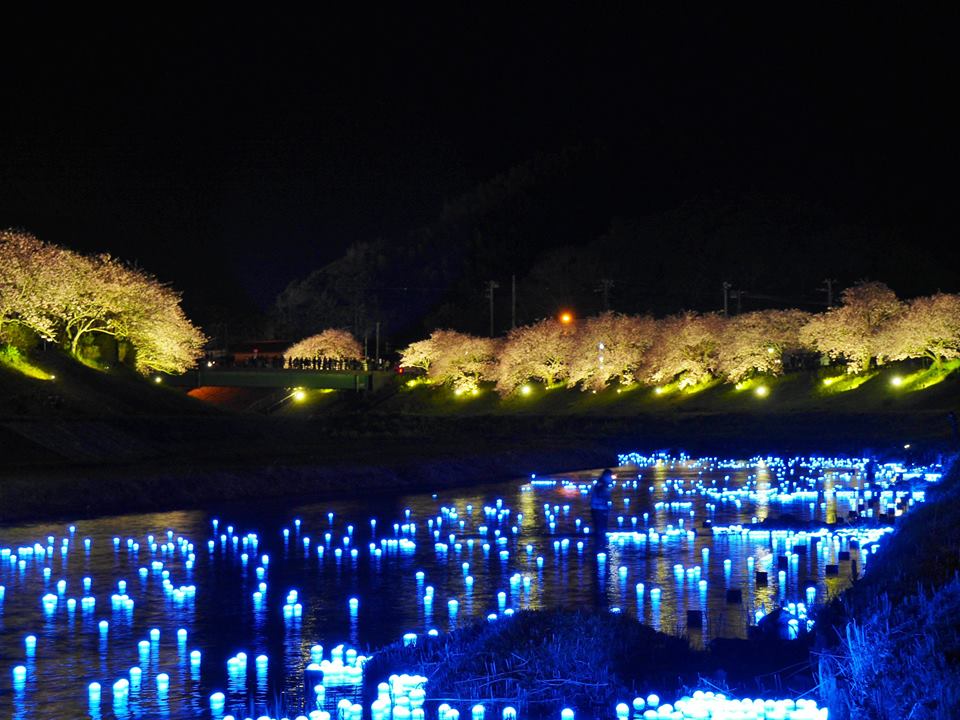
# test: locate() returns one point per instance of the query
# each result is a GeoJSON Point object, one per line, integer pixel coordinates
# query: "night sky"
{"type": "Point", "coordinates": [231, 154]}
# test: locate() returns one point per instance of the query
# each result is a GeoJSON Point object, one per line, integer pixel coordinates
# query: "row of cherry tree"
{"type": "Point", "coordinates": [65, 297]}
{"type": "Point", "coordinates": [871, 326]}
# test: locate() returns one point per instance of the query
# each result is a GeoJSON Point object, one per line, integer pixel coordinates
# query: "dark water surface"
{"type": "Point", "coordinates": [500, 531]}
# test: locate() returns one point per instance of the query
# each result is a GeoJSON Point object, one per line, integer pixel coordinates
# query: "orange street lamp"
{"type": "Point", "coordinates": [566, 318]}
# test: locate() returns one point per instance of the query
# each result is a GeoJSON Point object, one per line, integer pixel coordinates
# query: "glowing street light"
{"type": "Point", "coordinates": [566, 317]}
{"type": "Point", "coordinates": [762, 391]}
{"type": "Point", "coordinates": [525, 390]}
{"type": "Point", "coordinates": [896, 381]}
{"type": "Point", "coordinates": [299, 395]}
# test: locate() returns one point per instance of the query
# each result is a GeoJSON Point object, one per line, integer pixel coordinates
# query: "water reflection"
{"type": "Point", "coordinates": [272, 582]}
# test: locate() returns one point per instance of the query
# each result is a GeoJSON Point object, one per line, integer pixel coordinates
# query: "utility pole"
{"type": "Point", "coordinates": [726, 298]}
{"type": "Point", "coordinates": [513, 301]}
{"type": "Point", "coordinates": [828, 284]}
{"type": "Point", "coordinates": [606, 285]}
{"type": "Point", "coordinates": [378, 343]}
{"type": "Point", "coordinates": [491, 286]}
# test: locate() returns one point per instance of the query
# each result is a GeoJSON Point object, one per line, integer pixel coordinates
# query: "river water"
{"type": "Point", "coordinates": [167, 586]}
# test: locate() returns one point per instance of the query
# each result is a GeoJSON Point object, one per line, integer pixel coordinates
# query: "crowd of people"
{"type": "Point", "coordinates": [279, 362]}
{"type": "Point", "coordinates": [320, 362]}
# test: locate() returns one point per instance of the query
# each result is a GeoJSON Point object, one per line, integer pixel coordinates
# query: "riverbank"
{"type": "Point", "coordinates": [82, 467]}
{"type": "Point", "coordinates": [542, 661]}
{"type": "Point", "coordinates": [96, 442]}
{"type": "Point", "coordinates": [890, 646]}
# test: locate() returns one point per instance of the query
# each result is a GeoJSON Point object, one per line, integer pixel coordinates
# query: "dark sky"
{"type": "Point", "coordinates": [232, 153]}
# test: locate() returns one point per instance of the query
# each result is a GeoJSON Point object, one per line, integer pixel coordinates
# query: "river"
{"type": "Point", "coordinates": [176, 593]}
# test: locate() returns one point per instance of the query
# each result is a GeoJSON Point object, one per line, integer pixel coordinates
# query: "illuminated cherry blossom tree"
{"type": "Point", "coordinates": [756, 342]}
{"type": "Point", "coordinates": [608, 348]}
{"type": "Point", "coordinates": [535, 352]}
{"type": "Point", "coordinates": [29, 270]}
{"type": "Point", "coordinates": [463, 361]}
{"type": "Point", "coordinates": [66, 297]}
{"type": "Point", "coordinates": [331, 343]}
{"type": "Point", "coordinates": [687, 349]}
{"type": "Point", "coordinates": [456, 359]}
{"type": "Point", "coordinates": [928, 327]}
{"type": "Point", "coordinates": [852, 332]}
{"type": "Point", "coordinates": [420, 354]}
{"type": "Point", "coordinates": [101, 295]}
{"type": "Point", "coordinates": [167, 343]}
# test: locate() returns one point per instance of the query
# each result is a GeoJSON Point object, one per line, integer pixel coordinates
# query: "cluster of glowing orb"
{"type": "Point", "coordinates": [456, 535]}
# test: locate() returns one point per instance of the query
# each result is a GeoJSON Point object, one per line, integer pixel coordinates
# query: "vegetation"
{"type": "Point", "coordinates": [693, 350]}
{"type": "Point", "coordinates": [536, 352]}
{"type": "Point", "coordinates": [852, 332]}
{"type": "Point", "coordinates": [459, 360]}
{"type": "Point", "coordinates": [542, 661]}
{"type": "Point", "coordinates": [929, 327]}
{"type": "Point", "coordinates": [898, 661]}
{"type": "Point", "coordinates": [609, 348]}
{"type": "Point", "coordinates": [330, 343]}
{"type": "Point", "coordinates": [893, 646]}
{"type": "Point", "coordinates": [66, 298]}
{"type": "Point", "coordinates": [760, 343]}
{"type": "Point", "coordinates": [12, 357]}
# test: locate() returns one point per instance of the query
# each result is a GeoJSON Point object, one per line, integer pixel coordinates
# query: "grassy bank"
{"type": "Point", "coordinates": [540, 662]}
{"type": "Point", "coordinates": [891, 647]}
{"type": "Point", "coordinates": [897, 388]}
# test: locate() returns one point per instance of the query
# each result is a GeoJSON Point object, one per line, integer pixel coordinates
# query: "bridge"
{"type": "Point", "coordinates": [356, 380]}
